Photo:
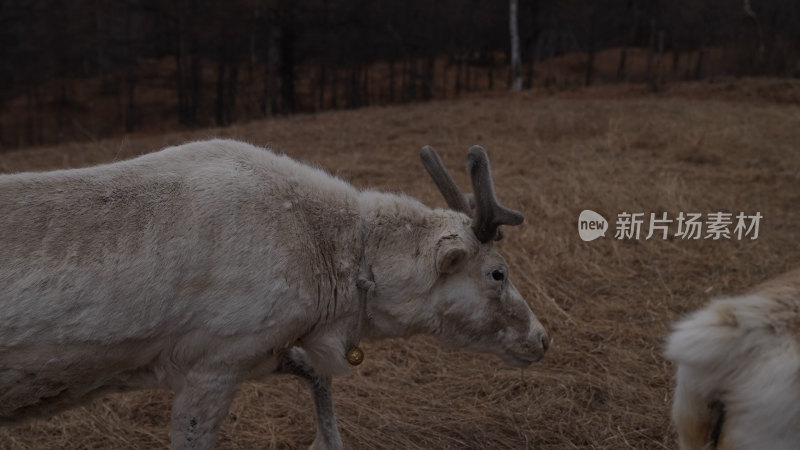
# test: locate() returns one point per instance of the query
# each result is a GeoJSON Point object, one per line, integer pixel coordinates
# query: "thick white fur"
{"type": "Point", "coordinates": [193, 267]}
{"type": "Point", "coordinates": [742, 356]}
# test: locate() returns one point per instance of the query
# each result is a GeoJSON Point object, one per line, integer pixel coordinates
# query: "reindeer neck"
{"type": "Point", "coordinates": [399, 236]}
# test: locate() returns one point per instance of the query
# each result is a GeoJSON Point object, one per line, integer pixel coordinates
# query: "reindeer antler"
{"type": "Point", "coordinates": [486, 212]}
{"type": "Point", "coordinates": [489, 213]}
{"type": "Point", "coordinates": [455, 199]}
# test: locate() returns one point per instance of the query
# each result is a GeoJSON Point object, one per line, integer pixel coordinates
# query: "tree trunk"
{"type": "Point", "coordinates": [335, 88]}
{"type": "Point", "coordinates": [130, 73]}
{"type": "Point", "coordinates": [353, 88]}
{"type": "Point", "coordinates": [130, 115]}
{"type": "Point", "coordinates": [321, 88]}
{"type": "Point", "coordinates": [590, 56]}
{"type": "Point", "coordinates": [365, 86]}
{"type": "Point", "coordinates": [269, 98]}
{"type": "Point", "coordinates": [516, 61]}
{"type": "Point", "coordinates": [529, 74]}
{"type": "Point", "coordinates": [196, 101]}
{"type": "Point", "coordinates": [391, 80]}
{"type": "Point", "coordinates": [219, 107]}
{"type": "Point", "coordinates": [427, 88]}
{"type": "Point", "coordinates": [232, 84]}
{"type": "Point", "coordinates": [179, 71]}
{"type": "Point", "coordinates": [675, 60]}
{"type": "Point", "coordinates": [468, 73]}
{"type": "Point", "coordinates": [322, 74]}
{"type": "Point", "coordinates": [459, 75]}
{"type": "Point", "coordinates": [490, 82]}
{"type": "Point", "coordinates": [650, 50]}
{"type": "Point", "coordinates": [623, 56]}
{"type": "Point", "coordinates": [444, 87]}
{"type": "Point", "coordinates": [287, 56]}
{"type": "Point", "coordinates": [698, 68]}
{"type": "Point", "coordinates": [412, 79]}
{"type": "Point", "coordinates": [659, 57]}
{"type": "Point", "coordinates": [195, 75]}
{"type": "Point", "coordinates": [748, 9]}
{"type": "Point", "coordinates": [61, 105]}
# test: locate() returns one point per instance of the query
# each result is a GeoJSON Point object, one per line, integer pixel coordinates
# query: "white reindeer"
{"type": "Point", "coordinates": [201, 266]}
{"type": "Point", "coordinates": [738, 371]}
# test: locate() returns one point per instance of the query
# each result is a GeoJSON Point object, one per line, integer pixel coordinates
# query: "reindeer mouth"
{"type": "Point", "coordinates": [518, 360]}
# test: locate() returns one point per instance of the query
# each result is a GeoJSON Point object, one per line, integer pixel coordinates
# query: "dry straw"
{"type": "Point", "coordinates": [606, 303]}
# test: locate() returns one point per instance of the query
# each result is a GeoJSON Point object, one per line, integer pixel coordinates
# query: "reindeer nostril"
{"type": "Point", "coordinates": [544, 340]}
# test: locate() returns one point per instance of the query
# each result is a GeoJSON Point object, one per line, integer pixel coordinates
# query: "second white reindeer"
{"type": "Point", "coordinates": [738, 371]}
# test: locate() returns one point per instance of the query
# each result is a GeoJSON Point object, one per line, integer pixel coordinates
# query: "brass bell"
{"type": "Point", "coordinates": [355, 356]}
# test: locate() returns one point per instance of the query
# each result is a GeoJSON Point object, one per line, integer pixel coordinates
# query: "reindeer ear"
{"type": "Point", "coordinates": [450, 254]}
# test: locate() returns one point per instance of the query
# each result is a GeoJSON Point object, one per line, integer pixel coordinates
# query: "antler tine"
{"type": "Point", "coordinates": [455, 199]}
{"type": "Point", "coordinates": [489, 213]}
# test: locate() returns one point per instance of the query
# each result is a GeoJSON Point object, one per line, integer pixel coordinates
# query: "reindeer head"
{"type": "Point", "coordinates": [477, 306]}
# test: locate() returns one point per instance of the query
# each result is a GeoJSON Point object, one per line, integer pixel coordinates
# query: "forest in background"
{"type": "Point", "coordinates": [82, 69]}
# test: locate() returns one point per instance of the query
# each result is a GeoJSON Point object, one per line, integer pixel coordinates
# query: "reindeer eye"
{"type": "Point", "coordinates": [498, 275]}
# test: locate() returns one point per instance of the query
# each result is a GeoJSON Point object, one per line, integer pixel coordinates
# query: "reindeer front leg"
{"type": "Point", "coordinates": [327, 437]}
{"type": "Point", "coordinates": [295, 362]}
{"type": "Point", "coordinates": [199, 407]}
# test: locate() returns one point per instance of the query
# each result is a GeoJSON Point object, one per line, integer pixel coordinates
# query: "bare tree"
{"type": "Point", "coordinates": [748, 9]}
{"type": "Point", "coordinates": [516, 63]}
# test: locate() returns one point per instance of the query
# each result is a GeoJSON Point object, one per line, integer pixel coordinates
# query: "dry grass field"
{"type": "Point", "coordinates": [702, 147]}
